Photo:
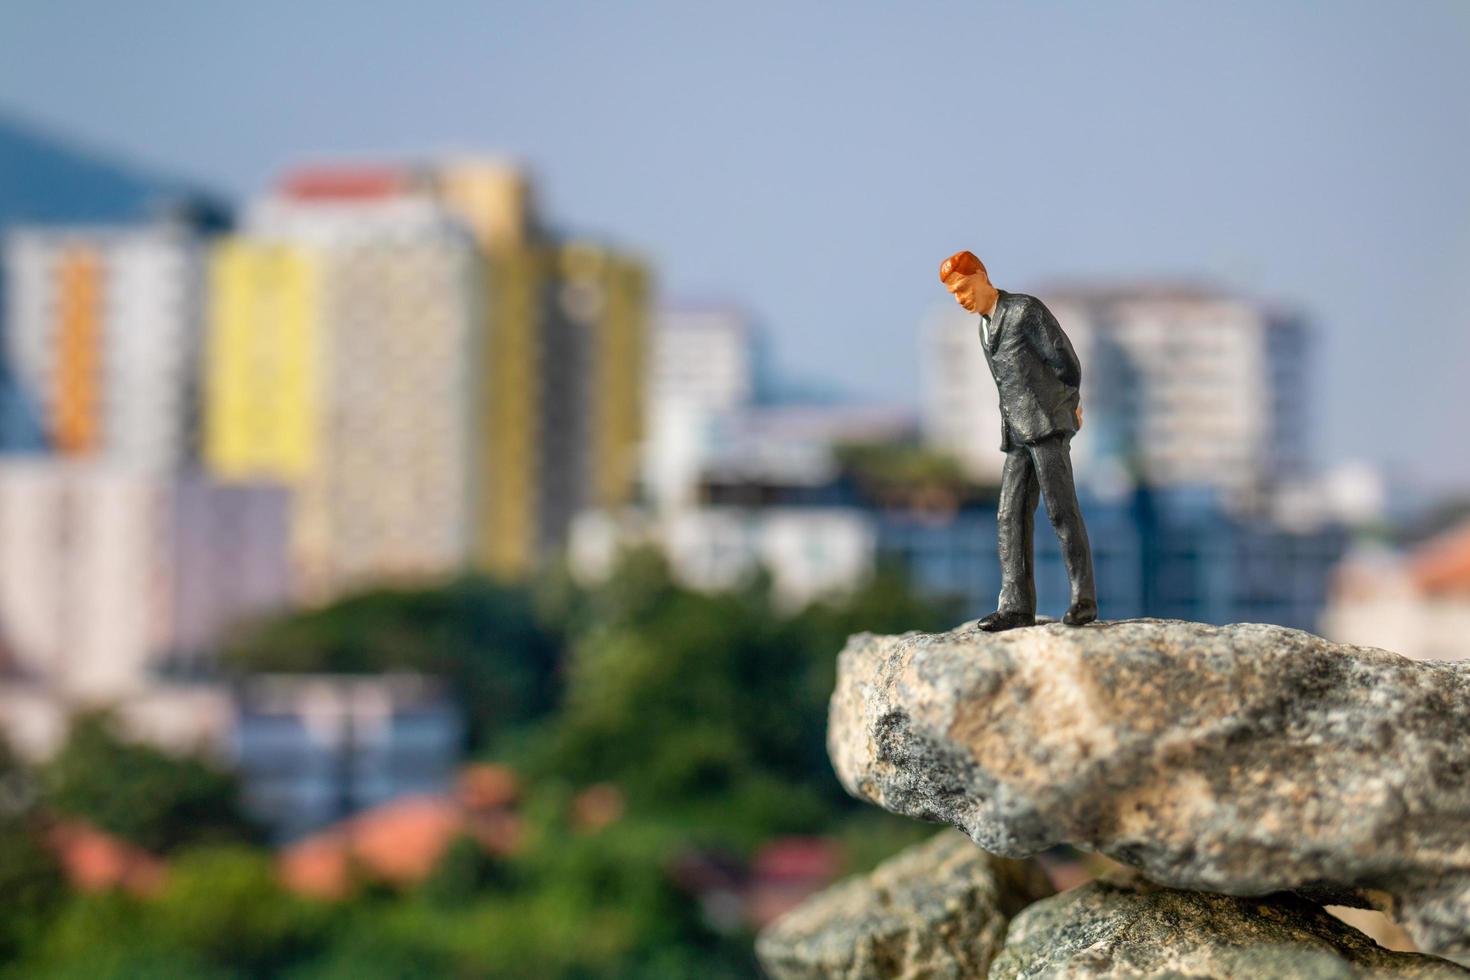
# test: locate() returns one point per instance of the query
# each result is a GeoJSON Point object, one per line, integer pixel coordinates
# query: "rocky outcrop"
{"type": "Point", "coordinates": [1244, 759]}
{"type": "Point", "coordinates": [938, 910]}
{"type": "Point", "coordinates": [1135, 929]}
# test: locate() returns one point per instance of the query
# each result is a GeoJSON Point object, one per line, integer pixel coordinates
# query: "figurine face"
{"type": "Point", "coordinates": [968, 289]}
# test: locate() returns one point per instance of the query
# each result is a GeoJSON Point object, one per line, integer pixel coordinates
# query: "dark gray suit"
{"type": "Point", "coordinates": [1037, 374]}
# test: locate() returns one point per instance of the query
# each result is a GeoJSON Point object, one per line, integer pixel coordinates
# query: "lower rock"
{"type": "Point", "coordinates": [1136, 929]}
{"type": "Point", "coordinates": [938, 911]}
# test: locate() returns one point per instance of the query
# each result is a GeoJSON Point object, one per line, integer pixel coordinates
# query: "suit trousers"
{"type": "Point", "coordinates": [1043, 467]}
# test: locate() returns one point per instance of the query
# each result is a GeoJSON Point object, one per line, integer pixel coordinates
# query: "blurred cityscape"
{"type": "Point", "coordinates": [375, 534]}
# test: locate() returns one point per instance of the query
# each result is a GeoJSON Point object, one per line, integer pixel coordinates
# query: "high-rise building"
{"type": "Point", "coordinates": [701, 371]}
{"type": "Point", "coordinates": [704, 356]}
{"type": "Point", "coordinates": [492, 197]}
{"type": "Point", "coordinates": [102, 339]}
{"type": "Point", "coordinates": [564, 396]}
{"type": "Point", "coordinates": [108, 574]}
{"type": "Point", "coordinates": [1180, 387]}
{"type": "Point", "coordinates": [442, 386]}
{"type": "Point", "coordinates": [1189, 387]}
{"type": "Point", "coordinates": [342, 345]}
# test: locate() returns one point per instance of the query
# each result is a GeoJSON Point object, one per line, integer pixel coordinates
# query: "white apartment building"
{"type": "Point", "coordinates": [102, 336]}
{"type": "Point", "coordinates": [1186, 386]}
{"type": "Point", "coordinates": [701, 371]}
{"type": "Point", "coordinates": [107, 573]}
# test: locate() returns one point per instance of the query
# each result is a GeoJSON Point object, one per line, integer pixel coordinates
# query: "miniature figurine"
{"type": "Point", "coordinates": [1037, 374]}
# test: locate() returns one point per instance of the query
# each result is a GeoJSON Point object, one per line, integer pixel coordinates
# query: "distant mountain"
{"type": "Point", "coordinates": [45, 179]}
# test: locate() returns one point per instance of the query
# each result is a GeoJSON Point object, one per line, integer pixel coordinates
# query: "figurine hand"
{"type": "Point", "coordinates": [1079, 416]}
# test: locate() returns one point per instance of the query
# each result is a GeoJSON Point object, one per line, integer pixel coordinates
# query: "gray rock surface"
{"type": "Point", "coordinates": [938, 910]}
{"type": "Point", "coordinates": [1245, 759]}
{"type": "Point", "coordinates": [1136, 929]}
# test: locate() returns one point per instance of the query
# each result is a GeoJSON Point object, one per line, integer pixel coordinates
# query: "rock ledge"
{"type": "Point", "coordinates": [1245, 759]}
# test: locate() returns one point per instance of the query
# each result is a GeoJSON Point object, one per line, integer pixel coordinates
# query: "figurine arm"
{"type": "Point", "coordinates": [1056, 350]}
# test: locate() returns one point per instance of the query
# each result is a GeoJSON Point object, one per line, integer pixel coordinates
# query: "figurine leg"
{"type": "Point", "coordinates": [1016, 520]}
{"type": "Point", "coordinates": [1053, 461]}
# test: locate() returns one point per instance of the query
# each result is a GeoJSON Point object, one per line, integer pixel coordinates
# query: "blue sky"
{"type": "Point", "coordinates": [815, 161]}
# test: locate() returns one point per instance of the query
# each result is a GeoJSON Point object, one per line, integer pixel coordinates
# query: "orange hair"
{"type": "Point", "coordinates": [960, 264]}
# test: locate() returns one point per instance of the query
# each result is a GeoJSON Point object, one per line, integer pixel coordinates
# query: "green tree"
{"type": "Point", "coordinates": [464, 872]}
{"type": "Point", "coordinates": [224, 904]}
{"type": "Point", "coordinates": [31, 882]}
{"type": "Point", "coordinates": [156, 800]}
{"type": "Point", "coordinates": [485, 638]}
{"type": "Point", "coordinates": [714, 704]}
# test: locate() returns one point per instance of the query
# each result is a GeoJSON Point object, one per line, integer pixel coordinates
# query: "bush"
{"type": "Point", "coordinates": [158, 801]}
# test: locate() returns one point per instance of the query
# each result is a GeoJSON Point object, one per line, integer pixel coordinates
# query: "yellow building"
{"type": "Point", "coordinates": [566, 334]}
{"type": "Point", "coordinates": [263, 360]}
{"type": "Point", "coordinates": [342, 365]}
{"type": "Point", "coordinates": [442, 386]}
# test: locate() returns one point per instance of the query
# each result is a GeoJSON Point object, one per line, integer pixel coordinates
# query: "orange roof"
{"type": "Point", "coordinates": [96, 861]}
{"type": "Point", "coordinates": [317, 866]}
{"type": "Point", "coordinates": [488, 785]}
{"type": "Point", "coordinates": [399, 842]}
{"type": "Point", "coordinates": [597, 806]}
{"type": "Point", "coordinates": [1442, 565]}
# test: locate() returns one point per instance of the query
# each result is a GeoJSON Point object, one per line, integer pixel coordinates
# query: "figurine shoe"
{"type": "Point", "coordinates": [1001, 620]}
{"type": "Point", "coordinates": [1082, 612]}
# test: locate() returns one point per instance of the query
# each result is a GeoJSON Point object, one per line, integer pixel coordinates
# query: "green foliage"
{"type": "Point", "coordinates": [156, 800]}
{"type": "Point", "coordinates": [101, 936]}
{"type": "Point", "coordinates": [31, 884]}
{"type": "Point", "coordinates": [225, 904]}
{"type": "Point", "coordinates": [697, 698]}
{"type": "Point", "coordinates": [485, 638]}
{"type": "Point", "coordinates": [707, 712]}
{"type": "Point", "coordinates": [908, 474]}
{"type": "Point", "coordinates": [222, 914]}
{"type": "Point", "coordinates": [679, 703]}
{"type": "Point", "coordinates": [464, 873]}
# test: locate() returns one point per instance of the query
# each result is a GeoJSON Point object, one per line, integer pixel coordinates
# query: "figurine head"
{"type": "Point", "coordinates": [965, 277]}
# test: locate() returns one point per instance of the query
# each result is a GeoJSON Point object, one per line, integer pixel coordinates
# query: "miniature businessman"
{"type": "Point", "coordinates": [1037, 374]}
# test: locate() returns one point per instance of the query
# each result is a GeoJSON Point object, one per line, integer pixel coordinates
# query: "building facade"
{"type": "Point", "coordinates": [102, 340]}
{"type": "Point", "coordinates": [701, 372]}
{"type": "Point", "coordinates": [1189, 387]}
{"type": "Point", "coordinates": [442, 387]}
{"type": "Point", "coordinates": [563, 406]}
{"type": "Point", "coordinates": [340, 355]}
{"type": "Point", "coordinates": [315, 748]}
{"type": "Point", "coordinates": [110, 576]}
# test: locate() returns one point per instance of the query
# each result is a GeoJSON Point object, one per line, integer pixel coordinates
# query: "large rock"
{"type": "Point", "coordinates": [938, 910]}
{"type": "Point", "coordinates": [1134, 929]}
{"type": "Point", "coordinates": [1243, 759]}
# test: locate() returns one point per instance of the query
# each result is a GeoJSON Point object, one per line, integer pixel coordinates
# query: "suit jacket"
{"type": "Point", "coordinates": [1035, 369]}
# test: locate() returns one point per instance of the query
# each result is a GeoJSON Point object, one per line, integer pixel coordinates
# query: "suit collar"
{"type": "Point", "coordinates": [997, 320]}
